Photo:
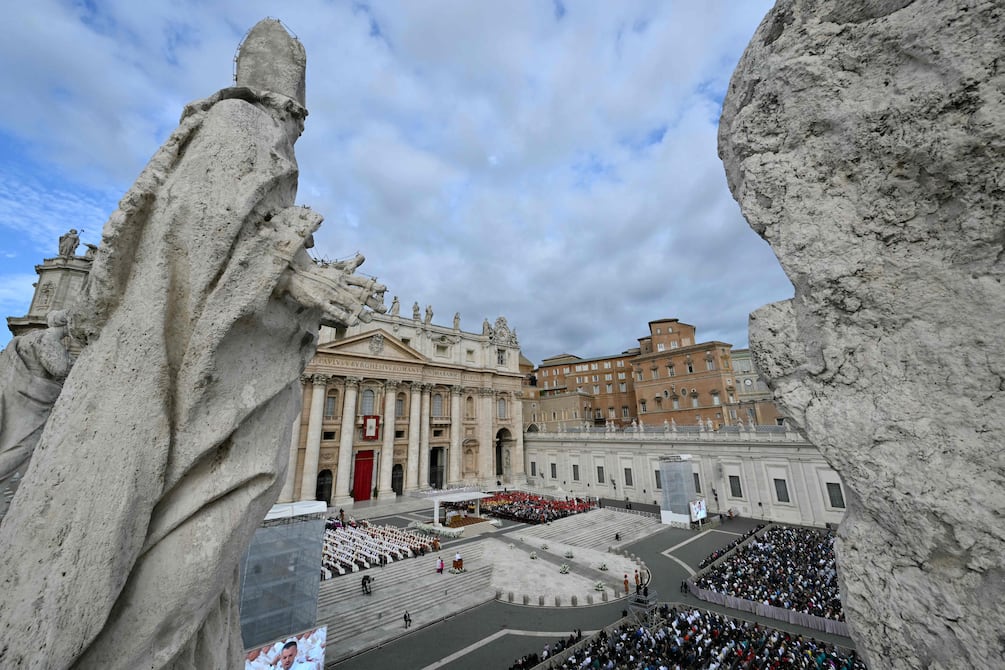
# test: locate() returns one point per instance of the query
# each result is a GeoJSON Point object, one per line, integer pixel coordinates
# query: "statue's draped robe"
{"type": "Point", "coordinates": [26, 398]}
{"type": "Point", "coordinates": [168, 443]}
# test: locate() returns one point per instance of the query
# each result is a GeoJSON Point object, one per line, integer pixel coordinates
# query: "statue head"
{"type": "Point", "coordinates": [270, 59]}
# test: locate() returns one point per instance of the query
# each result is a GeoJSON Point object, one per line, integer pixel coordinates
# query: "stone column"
{"type": "Point", "coordinates": [454, 456]}
{"type": "Point", "coordinates": [412, 466]}
{"type": "Point", "coordinates": [287, 494]}
{"type": "Point", "coordinates": [309, 480]}
{"type": "Point", "coordinates": [486, 435]}
{"type": "Point", "coordinates": [517, 473]}
{"type": "Point", "coordinates": [424, 439]}
{"type": "Point", "coordinates": [384, 489]}
{"type": "Point", "coordinates": [341, 496]}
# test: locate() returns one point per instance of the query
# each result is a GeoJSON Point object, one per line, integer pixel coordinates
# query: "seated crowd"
{"type": "Point", "coordinates": [359, 544]}
{"type": "Point", "coordinates": [533, 659]}
{"type": "Point", "coordinates": [722, 551]}
{"type": "Point", "coordinates": [791, 568]}
{"type": "Point", "coordinates": [532, 508]}
{"type": "Point", "coordinates": [692, 638]}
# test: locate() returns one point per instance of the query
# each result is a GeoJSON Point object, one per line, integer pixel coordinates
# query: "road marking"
{"type": "Point", "coordinates": [495, 636]}
{"type": "Point", "coordinates": [668, 552]}
{"type": "Point", "coordinates": [682, 564]}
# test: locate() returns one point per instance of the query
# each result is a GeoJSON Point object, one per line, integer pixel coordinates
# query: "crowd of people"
{"type": "Point", "coordinates": [722, 551]}
{"type": "Point", "coordinates": [534, 659]}
{"type": "Point", "coordinates": [791, 568]}
{"type": "Point", "coordinates": [692, 638]}
{"type": "Point", "coordinates": [357, 545]}
{"type": "Point", "coordinates": [532, 508]}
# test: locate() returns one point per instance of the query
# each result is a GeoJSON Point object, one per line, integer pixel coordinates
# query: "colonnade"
{"type": "Point", "coordinates": [417, 453]}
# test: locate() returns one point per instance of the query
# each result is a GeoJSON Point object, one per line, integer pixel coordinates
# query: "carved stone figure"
{"type": "Point", "coordinates": [68, 243]}
{"type": "Point", "coordinates": [864, 142]}
{"type": "Point", "coordinates": [486, 327]}
{"type": "Point", "coordinates": [416, 311]}
{"type": "Point", "coordinates": [169, 442]}
{"type": "Point", "coordinates": [32, 369]}
{"type": "Point", "coordinates": [429, 315]}
{"type": "Point", "coordinates": [395, 306]}
{"type": "Point", "coordinates": [457, 320]}
{"type": "Point", "coordinates": [92, 250]}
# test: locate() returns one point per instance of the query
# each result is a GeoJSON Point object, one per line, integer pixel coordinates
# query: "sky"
{"type": "Point", "coordinates": [552, 162]}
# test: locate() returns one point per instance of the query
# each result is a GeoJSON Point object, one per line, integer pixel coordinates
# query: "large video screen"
{"type": "Point", "coordinates": [305, 651]}
{"type": "Point", "coordinates": [698, 509]}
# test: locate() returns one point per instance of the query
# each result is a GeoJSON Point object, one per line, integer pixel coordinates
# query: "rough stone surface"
{"type": "Point", "coordinates": [168, 442]}
{"type": "Point", "coordinates": [865, 141]}
{"type": "Point", "coordinates": [32, 369]}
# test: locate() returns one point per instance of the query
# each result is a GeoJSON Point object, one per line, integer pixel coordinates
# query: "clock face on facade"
{"type": "Point", "coordinates": [747, 382]}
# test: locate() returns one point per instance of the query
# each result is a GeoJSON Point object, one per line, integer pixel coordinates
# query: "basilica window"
{"type": "Point", "coordinates": [437, 405]}
{"type": "Point", "coordinates": [735, 490]}
{"type": "Point", "coordinates": [399, 406]}
{"type": "Point", "coordinates": [331, 404]}
{"type": "Point", "coordinates": [781, 490]}
{"type": "Point", "coordinates": [501, 408]}
{"type": "Point", "coordinates": [835, 495]}
{"type": "Point", "coordinates": [367, 403]}
{"type": "Point", "coordinates": [500, 357]}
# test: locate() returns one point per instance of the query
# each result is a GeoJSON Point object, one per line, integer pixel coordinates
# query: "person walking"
{"type": "Point", "coordinates": [408, 619]}
{"type": "Point", "coordinates": [439, 565]}
{"type": "Point", "coordinates": [626, 584]}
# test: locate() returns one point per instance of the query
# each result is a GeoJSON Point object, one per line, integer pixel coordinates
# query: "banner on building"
{"type": "Point", "coordinates": [371, 427]}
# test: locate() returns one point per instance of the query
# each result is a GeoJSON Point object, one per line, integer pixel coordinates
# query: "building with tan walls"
{"type": "Point", "coordinates": [402, 404]}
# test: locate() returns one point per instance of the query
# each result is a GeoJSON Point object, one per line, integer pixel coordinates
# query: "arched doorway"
{"type": "Point", "coordinates": [324, 488]}
{"type": "Point", "coordinates": [504, 439]}
{"type": "Point", "coordinates": [436, 467]}
{"type": "Point", "coordinates": [398, 478]}
{"type": "Point", "coordinates": [362, 481]}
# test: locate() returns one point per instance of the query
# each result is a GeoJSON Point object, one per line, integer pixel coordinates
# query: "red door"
{"type": "Point", "coordinates": [364, 475]}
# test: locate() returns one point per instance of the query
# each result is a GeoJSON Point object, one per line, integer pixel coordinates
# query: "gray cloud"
{"type": "Point", "coordinates": [556, 166]}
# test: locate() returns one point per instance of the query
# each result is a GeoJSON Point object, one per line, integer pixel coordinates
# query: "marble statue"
{"type": "Point", "coordinates": [863, 141]}
{"type": "Point", "coordinates": [92, 251]}
{"type": "Point", "coordinates": [416, 311]}
{"type": "Point", "coordinates": [395, 306]}
{"type": "Point", "coordinates": [68, 243]}
{"type": "Point", "coordinates": [32, 369]}
{"type": "Point", "coordinates": [429, 315]}
{"type": "Point", "coordinates": [169, 441]}
{"type": "Point", "coordinates": [486, 327]}
{"type": "Point", "coordinates": [457, 320]}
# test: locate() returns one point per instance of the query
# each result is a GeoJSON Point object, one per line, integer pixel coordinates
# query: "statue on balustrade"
{"type": "Point", "coordinates": [169, 441]}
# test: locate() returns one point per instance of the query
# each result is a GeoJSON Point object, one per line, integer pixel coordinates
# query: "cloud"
{"type": "Point", "coordinates": [554, 163]}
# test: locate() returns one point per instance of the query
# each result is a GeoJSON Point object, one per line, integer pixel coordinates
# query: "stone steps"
{"type": "Point", "coordinates": [357, 621]}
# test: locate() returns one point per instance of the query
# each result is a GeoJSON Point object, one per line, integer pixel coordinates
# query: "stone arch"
{"type": "Point", "coordinates": [324, 487]}
{"type": "Point", "coordinates": [503, 445]}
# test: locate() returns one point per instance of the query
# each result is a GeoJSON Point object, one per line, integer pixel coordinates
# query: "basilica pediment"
{"type": "Point", "coordinates": [373, 344]}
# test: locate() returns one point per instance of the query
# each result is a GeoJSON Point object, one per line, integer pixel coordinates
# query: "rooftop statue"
{"type": "Point", "coordinates": [168, 443]}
